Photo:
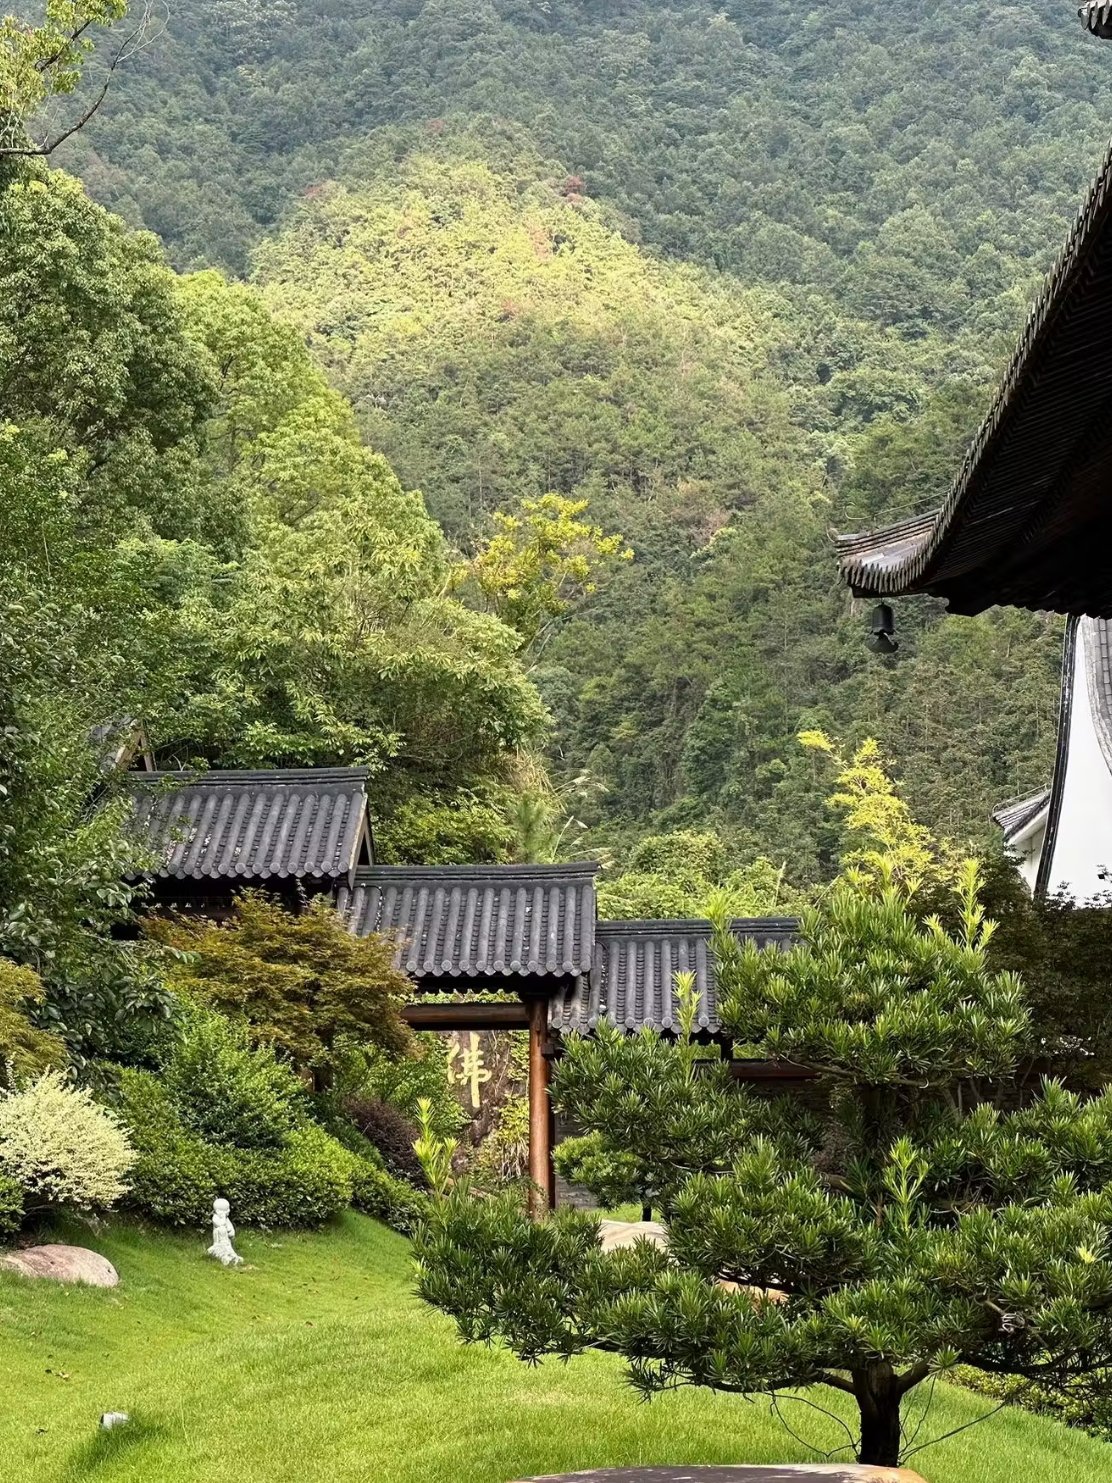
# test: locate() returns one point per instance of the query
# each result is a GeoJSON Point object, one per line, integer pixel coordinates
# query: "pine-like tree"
{"type": "Point", "coordinates": [911, 1222]}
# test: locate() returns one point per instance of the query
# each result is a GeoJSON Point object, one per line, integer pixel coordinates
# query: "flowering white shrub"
{"type": "Point", "coordinates": [61, 1146]}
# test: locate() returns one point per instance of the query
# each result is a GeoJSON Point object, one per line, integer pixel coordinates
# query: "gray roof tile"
{"type": "Point", "coordinates": [1015, 816]}
{"type": "Point", "coordinates": [479, 921]}
{"type": "Point", "coordinates": [632, 982]}
{"type": "Point", "coordinates": [252, 825]}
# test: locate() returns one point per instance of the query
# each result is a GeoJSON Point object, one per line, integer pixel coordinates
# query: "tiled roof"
{"type": "Point", "coordinates": [1028, 518]}
{"type": "Point", "coordinates": [479, 921]}
{"type": "Point", "coordinates": [253, 825]}
{"type": "Point", "coordinates": [632, 982]}
{"type": "Point", "coordinates": [1014, 817]}
{"type": "Point", "coordinates": [1096, 16]}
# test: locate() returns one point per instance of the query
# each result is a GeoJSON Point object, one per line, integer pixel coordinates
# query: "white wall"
{"type": "Point", "coordinates": [1084, 842]}
{"type": "Point", "coordinates": [1028, 854]}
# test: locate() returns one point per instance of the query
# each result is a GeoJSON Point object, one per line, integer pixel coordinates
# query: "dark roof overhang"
{"type": "Point", "coordinates": [479, 923]}
{"type": "Point", "coordinates": [1028, 520]}
{"type": "Point", "coordinates": [252, 825]}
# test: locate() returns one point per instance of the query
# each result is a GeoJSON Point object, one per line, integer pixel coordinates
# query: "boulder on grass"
{"type": "Point", "coordinates": [62, 1264]}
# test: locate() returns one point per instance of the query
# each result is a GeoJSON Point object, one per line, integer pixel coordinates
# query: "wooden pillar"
{"type": "Point", "coordinates": [540, 1139]}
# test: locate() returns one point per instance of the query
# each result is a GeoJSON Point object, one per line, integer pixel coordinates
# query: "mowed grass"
{"type": "Point", "coordinates": [317, 1364]}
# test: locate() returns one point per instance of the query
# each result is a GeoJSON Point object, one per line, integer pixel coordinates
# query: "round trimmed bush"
{"type": "Point", "coordinates": [225, 1090]}
{"type": "Point", "coordinates": [392, 1134]}
{"type": "Point", "coordinates": [60, 1147]}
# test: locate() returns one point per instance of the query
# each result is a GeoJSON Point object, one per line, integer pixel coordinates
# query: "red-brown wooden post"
{"type": "Point", "coordinates": [540, 1141]}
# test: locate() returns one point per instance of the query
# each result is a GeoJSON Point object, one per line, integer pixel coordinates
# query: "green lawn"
{"type": "Point", "coordinates": [317, 1363]}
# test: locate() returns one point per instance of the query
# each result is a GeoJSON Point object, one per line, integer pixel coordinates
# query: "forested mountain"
{"type": "Point", "coordinates": [738, 274]}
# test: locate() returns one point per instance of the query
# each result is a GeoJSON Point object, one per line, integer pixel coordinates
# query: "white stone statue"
{"type": "Point", "coordinates": [222, 1233]}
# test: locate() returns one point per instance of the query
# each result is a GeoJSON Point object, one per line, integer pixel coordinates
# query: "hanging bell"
{"type": "Point", "coordinates": [882, 630]}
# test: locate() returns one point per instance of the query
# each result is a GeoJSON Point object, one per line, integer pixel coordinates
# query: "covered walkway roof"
{"type": "Point", "coordinates": [633, 979]}
{"type": "Point", "coordinates": [479, 922]}
{"type": "Point", "coordinates": [221, 825]}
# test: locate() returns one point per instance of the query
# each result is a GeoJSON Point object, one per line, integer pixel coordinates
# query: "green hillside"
{"type": "Point", "coordinates": [739, 275]}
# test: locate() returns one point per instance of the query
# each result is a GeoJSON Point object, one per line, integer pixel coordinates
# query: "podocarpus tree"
{"type": "Point", "coordinates": [920, 1228]}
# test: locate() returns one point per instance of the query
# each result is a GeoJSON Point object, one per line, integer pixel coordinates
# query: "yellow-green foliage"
{"type": "Point", "coordinates": [541, 561]}
{"type": "Point", "coordinates": [576, 361]}
{"type": "Point", "coordinates": [61, 1147]}
{"type": "Point", "coordinates": [296, 983]}
{"type": "Point", "coordinates": [466, 250]}
{"type": "Point", "coordinates": [885, 842]}
{"type": "Point", "coordinates": [38, 61]}
{"type": "Point", "coordinates": [25, 1050]}
{"type": "Point", "coordinates": [688, 872]}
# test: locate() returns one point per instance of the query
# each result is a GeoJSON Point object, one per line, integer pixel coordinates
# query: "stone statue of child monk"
{"type": "Point", "coordinates": [222, 1233]}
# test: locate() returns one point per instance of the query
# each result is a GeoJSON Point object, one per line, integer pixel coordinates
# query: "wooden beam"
{"type": "Point", "coordinates": [540, 1138]}
{"type": "Point", "coordinates": [756, 1071]}
{"type": "Point", "coordinates": [468, 1016]}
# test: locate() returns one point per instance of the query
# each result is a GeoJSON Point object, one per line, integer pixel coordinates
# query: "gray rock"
{"type": "Point", "coordinates": [62, 1264]}
{"type": "Point", "coordinates": [614, 1234]}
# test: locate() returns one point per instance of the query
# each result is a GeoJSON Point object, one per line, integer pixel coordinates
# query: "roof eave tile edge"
{"type": "Point", "coordinates": [911, 575]}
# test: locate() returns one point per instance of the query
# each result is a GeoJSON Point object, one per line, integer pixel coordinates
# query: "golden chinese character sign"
{"type": "Point", "coordinates": [466, 1066]}
{"type": "Point", "coordinates": [484, 1071]}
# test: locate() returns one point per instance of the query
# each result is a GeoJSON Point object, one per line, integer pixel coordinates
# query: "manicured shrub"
{"type": "Point", "coordinates": [61, 1147]}
{"type": "Point", "coordinates": [304, 1181]}
{"type": "Point", "coordinates": [227, 1092]}
{"type": "Point", "coordinates": [11, 1205]}
{"type": "Point", "coordinates": [391, 1133]}
{"type": "Point", "coordinates": [307, 1183]}
{"type": "Point", "coordinates": [178, 1173]}
{"type": "Point", "coordinates": [375, 1191]}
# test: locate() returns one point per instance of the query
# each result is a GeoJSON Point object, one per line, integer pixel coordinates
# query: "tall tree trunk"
{"type": "Point", "coordinates": [878, 1399]}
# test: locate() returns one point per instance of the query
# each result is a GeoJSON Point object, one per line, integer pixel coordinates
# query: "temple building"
{"type": "Point", "coordinates": [293, 831]}
{"type": "Point", "coordinates": [1061, 838]}
{"type": "Point", "coordinates": [1028, 523]}
{"type": "Point", "coordinates": [1028, 520]}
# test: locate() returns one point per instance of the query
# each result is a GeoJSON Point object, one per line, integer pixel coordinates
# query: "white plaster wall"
{"type": "Point", "coordinates": [1084, 842]}
{"type": "Point", "coordinates": [1028, 856]}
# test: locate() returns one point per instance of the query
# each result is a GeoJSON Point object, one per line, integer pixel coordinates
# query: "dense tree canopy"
{"type": "Point", "coordinates": [195, 535]}
{"type": "Point", "coordinates": [474, 213]}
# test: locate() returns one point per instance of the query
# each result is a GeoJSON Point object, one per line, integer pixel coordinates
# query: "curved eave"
{"type": "Point", "coordinates": [1033, 483]}
{"type": "Point", "coordinates": [1020, 817]}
